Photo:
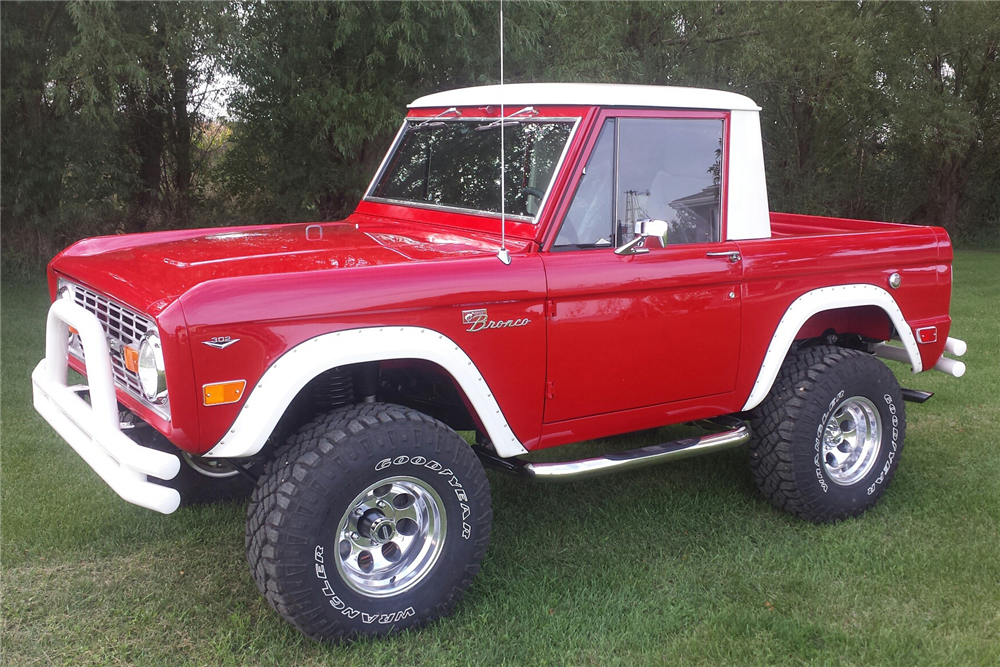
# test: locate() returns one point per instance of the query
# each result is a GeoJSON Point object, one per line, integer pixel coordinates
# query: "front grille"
{"type": "Point", "coordinates": [121, 324]}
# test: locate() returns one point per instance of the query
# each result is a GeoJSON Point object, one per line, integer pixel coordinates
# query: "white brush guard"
{"type": "Point", "coordinates": [93, 429]}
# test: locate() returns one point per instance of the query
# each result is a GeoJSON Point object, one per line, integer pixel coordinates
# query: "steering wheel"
{"type": "Point", "coordinates": [533, 192]}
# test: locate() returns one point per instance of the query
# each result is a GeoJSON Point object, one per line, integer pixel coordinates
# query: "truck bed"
{"type": "Point", "coordinates": [807, 253]}
{"type": "Point", "coordinates": [784, 225]}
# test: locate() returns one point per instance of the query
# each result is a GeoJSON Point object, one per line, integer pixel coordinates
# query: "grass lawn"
{"type": "Point", "coordinates": [677, 564]}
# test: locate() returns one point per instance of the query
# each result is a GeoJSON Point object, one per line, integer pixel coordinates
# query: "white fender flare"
{"type": "Point", "coordinates": [267, 402]}
{"type": "Point", "coordinates": [817, 301]}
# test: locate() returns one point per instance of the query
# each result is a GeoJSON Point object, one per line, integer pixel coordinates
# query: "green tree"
{"type": "Point", "coordinates": [139, 63]}
{"type": "Point", "coordinates": [870, 109]}
{"type": "Point", "coordinates": [943, 138]}
{"type": "Point", "coordinates": [809, 66]}
{"type": "Point", "coordinates": [324, 87]}
{"type": "Point", "coordinates": [98, 117]}
{"type": "Point", "coordinates": [52, 158]}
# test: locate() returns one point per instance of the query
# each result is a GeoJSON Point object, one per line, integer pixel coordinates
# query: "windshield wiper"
{"type": "Point", "coordinates": [431, 122]}
{"type": "Point", "coordinates": [509, 120]}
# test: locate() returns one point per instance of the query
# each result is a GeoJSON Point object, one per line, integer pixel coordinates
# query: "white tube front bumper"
{"type": "Point", "coordinates": [93, 429]}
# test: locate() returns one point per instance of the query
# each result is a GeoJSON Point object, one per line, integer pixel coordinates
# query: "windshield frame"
{"type": "Point", "coordinates": [416, 120]}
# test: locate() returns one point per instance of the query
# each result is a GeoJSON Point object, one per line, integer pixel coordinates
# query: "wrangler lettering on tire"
{"type": "Point", "coordinates": [827, 439]}
{"type": "Point", "coordinates": [373, 518]}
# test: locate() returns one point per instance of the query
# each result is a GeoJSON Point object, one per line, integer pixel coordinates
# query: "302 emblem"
{"type": "Point", "coordinates": [221, 342]}
{"type": "Point", "coordinates": [478, 320]}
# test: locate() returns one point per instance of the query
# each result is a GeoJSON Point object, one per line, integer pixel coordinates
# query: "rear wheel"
{"type": "Point", "coordinates": [828, 437]}
{"type": "Point", "coordinates": [372, 519]}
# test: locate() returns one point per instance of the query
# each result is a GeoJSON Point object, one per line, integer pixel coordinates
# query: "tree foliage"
{"type": "Point", "coordinates": [100, 130]}
{"type": "Point", "coordinates": [880, 110]}
{"type": "Point", "coordinates": [324, 88]}
{"type": "Point", "coordinates": [870, 109]}
{"type": "Point", "coordinates": [134, 66]}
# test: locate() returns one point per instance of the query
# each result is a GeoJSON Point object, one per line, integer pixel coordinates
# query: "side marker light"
{"type": "Point", "coordinates": [927, 335]}
{"type": "Point", "coordinates": [223, 393]}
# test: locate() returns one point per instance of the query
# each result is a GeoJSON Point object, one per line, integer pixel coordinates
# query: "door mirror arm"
{"type": "Point", "coordinates": [644, 229]}
{"type": "Point", "coordinates": [634, 247]}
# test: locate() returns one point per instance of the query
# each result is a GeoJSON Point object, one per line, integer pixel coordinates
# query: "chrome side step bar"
{"type": "Point", "coordinates": [571, 471]}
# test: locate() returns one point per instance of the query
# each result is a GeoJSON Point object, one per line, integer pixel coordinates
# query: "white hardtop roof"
{"type": "Point", "coordinates": [588, 94]}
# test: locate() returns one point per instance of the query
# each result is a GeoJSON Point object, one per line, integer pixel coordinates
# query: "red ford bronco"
{"type": "Point", "coordinates": [626, 275]}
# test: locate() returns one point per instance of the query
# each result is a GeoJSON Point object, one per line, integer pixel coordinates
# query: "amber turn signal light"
{"type": "Point", "coordinates": [221, 393]}
{"type": "Point", "coordinates": [131, 358]}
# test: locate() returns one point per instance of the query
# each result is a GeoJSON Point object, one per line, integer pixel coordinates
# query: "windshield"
{"type": "Point", "coordinates": [456, 163]}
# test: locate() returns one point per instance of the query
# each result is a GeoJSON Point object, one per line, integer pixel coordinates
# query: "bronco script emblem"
{"type": "Point", "coordinates": [478, 320]}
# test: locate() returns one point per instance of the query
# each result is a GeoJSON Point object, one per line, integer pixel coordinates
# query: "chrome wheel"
{"type": "Point", "coordinates": [391, 536]}
{"type": "Point", "coordinates": [852, 438]}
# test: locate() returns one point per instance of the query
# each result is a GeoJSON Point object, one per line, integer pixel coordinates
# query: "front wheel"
{"type": "Point", "coordinates": [828, 437]}
{"type": "Point", "coordinates": [372, 519]}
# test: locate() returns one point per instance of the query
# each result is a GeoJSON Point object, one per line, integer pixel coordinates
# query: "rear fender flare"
{"type": "Point", "coordinates": [817, 301]}
{"type": "Point", "coordinates": [283, 380]}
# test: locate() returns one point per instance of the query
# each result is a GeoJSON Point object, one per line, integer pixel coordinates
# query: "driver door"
{"type": "Point", "coordinates": [635, 330]}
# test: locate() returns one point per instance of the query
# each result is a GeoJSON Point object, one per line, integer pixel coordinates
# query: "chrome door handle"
{"type": "Point", "coordinates": [733, 255]}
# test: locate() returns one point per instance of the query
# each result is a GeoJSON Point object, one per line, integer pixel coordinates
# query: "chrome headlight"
{"type": "Point", "coordinates": [151, 376]}
{"type": "Point", "coordinates": [64, 290]}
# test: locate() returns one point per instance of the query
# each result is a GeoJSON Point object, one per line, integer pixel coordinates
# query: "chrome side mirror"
{"type": "Point", "coordinates": [645, 229]}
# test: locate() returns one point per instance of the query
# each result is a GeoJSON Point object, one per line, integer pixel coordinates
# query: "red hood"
{"type": "Point", "coordinates": [150, 271]}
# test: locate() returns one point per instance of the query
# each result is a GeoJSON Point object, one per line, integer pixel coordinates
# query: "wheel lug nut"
{"type": "Point", "coordinates": [381, 503]}
{"type": "Point", "coordinates": [354, 536]}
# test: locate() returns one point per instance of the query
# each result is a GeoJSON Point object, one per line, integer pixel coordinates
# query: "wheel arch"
{"type": "Point", "coordinates": [823, 300]}
{"type": "Point", "coordinates": [289, 374]}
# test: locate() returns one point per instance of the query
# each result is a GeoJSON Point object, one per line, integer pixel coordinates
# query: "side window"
{"type": "Point", "coordinates": [670, 170]}
{"type": "Point", "coordinates": [588, 222]}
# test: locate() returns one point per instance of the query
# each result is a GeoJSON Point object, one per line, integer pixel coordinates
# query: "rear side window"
{"type": "Point", "coordinates": [667, 169]}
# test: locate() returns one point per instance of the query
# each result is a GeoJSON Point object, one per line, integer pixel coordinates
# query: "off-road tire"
{"type": "Point", "coordinates": [788, 431]}
{"type": "Point", "coordinates": [294, 536]}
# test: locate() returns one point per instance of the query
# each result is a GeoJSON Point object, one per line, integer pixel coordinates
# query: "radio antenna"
{"type": "Point", "coordinates": [503, 255]}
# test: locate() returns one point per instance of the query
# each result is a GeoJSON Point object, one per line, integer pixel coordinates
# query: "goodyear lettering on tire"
{"type": "Point", "coordinates": [434, 466]}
